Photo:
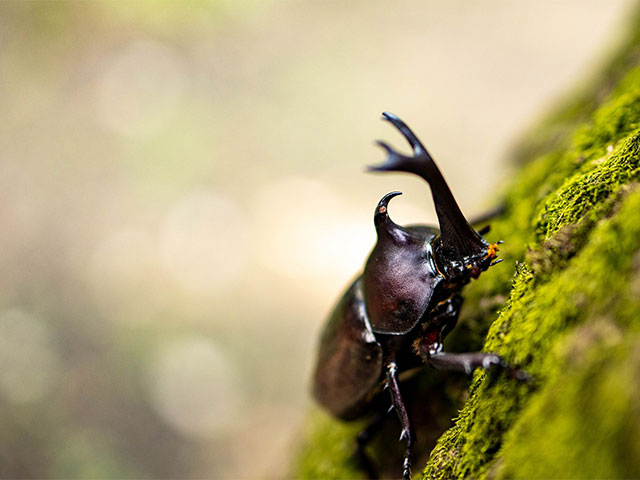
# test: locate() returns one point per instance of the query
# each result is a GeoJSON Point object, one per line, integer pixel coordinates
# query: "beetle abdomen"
{"type": "Point", "coordinates": [349, 359]}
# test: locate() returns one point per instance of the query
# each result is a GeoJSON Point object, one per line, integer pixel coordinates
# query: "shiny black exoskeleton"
{"type": "Point", "coordinates": [396, 315]}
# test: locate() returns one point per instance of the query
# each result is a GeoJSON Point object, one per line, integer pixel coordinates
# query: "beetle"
{"type": "Point", "coordinates": [396, 314]}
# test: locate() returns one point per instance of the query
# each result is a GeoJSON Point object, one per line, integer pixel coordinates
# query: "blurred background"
{"type": "Point", "coordinates": [183, 198]}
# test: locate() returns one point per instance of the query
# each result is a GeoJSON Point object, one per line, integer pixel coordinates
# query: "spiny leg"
{"type": "Point", "coordinates": [363, 438]}
{"type": "Point", "coordinates": [398, 405]}
{"type": "Point", "coordinates": [429, 346]}
{"type": "Point", "coordinates": [468, 362]}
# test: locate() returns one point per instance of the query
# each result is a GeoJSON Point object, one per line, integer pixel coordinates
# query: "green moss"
{"type": "Point", "coordinates": [532, 331]}
{"type": "Point", "coordinates": [586, 425]}
{"type": "Point", "coordinates": [614, 120]}
{"type": "Point", "coordinates": [327, 452]}
{"type": "Point", "coordinates": [585, 420]}
{"type": "Point", "coordinates": [569, 290]}
{"type": "Point", "coordinates": [597, 174]}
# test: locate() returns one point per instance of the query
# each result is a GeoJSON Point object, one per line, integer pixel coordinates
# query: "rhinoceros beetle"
{"type": "Point", "coordinates": [396, 314]}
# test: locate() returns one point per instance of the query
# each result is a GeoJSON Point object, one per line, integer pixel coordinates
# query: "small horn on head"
{"type": "Point", "coordinates": [384, 225]}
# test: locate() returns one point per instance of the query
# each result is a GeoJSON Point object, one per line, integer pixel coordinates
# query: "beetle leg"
{"type": "Point", "coordinates": [363, 439]}
{"type": "Point", "coordinates": [398, 405]}
{"type": "Point", "coordinates": [484, 230]}
{"type": "Point", "coordinates": [468, 362]}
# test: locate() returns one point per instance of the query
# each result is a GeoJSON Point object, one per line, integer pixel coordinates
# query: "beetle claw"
{"type": "Point", "coordinates": [406, 470]}
{"type": "Point", "coordinates": [520, 375]}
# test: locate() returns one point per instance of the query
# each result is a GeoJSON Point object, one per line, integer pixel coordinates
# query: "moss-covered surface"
{"type": "Point", "coordinates": [569, 314]}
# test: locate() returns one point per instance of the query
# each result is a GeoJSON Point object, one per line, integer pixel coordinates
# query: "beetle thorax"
{"type": "Point", "coordinates": [399, 280]}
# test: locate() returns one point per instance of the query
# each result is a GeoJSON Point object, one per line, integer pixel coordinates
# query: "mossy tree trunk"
{"type": "Point", "coordinates": [570, 314]}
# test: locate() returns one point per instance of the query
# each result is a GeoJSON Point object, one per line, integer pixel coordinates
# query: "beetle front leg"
{"type": "Point", "coordinates": [398, 405]}
{"type": "Point", "coordinates": [468, 362]}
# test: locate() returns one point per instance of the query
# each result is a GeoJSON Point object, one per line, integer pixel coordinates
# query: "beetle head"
{"type": "Point", "coordinates": [458, 271]}
{"type": "Point", "coordinates": [461, 252]}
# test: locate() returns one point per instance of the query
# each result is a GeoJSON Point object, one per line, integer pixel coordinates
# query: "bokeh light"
{"type": "Point", "coordinates": [205, 242]}
{"type": "Point", "coordinates": [141, 89]}
{"type": "Point", "coordinates": [195, 387]}
{"type": "Point", "coordinates": [308, 231]}
{"type": "Point", "coordinates": [29, 364]}
{"type": "Point", "coordinates": [126, 276]}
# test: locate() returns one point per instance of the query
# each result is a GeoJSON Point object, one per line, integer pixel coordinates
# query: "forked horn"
{"type": "Point", "coordinates": [456, 233]}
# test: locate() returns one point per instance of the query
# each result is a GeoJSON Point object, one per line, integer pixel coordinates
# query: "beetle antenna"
{"type": "Point", "coordinates": [456, 233]}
